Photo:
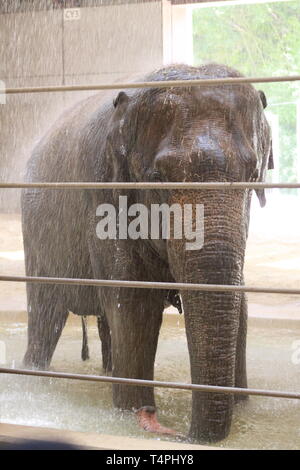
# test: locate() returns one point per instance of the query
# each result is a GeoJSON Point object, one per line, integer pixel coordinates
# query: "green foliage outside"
{"type": "Point", "coordinates": [258, 40]}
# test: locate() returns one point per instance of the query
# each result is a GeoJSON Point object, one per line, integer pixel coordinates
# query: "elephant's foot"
{"type": "Point", "coordinates": [33, 360]}
{"type": "Point", "coordinates": [147, 420]}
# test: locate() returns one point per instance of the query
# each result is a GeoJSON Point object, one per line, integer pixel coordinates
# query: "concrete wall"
{"type": "Point", "coordinates": [107, 43]}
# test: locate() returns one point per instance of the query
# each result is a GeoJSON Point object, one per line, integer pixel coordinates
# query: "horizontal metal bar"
{"type": "Point", "coordinates": [155, 84]}
{"type": "Point", "coordinates": [147, 285]}
{"type": "Point", "coordinates": [146, 185]}
{"type": "Point", "coordinates": [154, 383]}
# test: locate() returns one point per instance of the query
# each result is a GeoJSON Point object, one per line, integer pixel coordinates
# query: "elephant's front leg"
{"type": "Point", "coordinates": [136, 323]}
{"type": "Point", "coordinates": [240, 366]}
{"type": "Point", "coordinates": [137, 319]}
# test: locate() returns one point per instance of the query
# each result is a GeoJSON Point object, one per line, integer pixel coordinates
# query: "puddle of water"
{"type": "Point", "coordinates": [261, 423]}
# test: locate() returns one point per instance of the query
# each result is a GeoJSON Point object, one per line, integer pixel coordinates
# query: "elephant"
{"type": "Point", "coordinates": [207, 133]}
{"type": "Point", "coordinates": [173, 298]}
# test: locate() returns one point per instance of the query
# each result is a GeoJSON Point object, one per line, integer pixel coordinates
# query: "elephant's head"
{"type": "Point", "coordinates": [200, 134]}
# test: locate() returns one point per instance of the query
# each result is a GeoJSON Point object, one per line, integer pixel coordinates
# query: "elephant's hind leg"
{"type": "Point", "coordinates": [104, 335]}
{"type": "Point", "coordinates": [47, 315]}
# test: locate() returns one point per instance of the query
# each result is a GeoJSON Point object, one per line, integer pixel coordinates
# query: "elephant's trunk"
{"type": "Point", "coordinates": [212, 325]}
{"type": "Point", "coordinates": [212, 318]}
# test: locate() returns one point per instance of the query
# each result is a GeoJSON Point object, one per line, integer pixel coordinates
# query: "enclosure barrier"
{"type": "Point", "coordinates": [154, 383]}
{"type": "Point", "coordinates": [155, 84]}
{"type": "Point", "coordinates": [156, 186]}
{"type": "Point", "coordinates": [151, 285]}
{"type": "Point", "coordinates": [148, 285]}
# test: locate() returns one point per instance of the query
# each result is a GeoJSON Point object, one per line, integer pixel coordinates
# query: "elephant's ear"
{"type": "Point", "coordinates": [261, 192]}
{"type": "Point", "coordinates": [118, 139]}
{"type": "Point", "coordinates": [263, 98]}
{"type": "Point", "coordinates": [121, 100]}
{"type": "Point", "coordinates": [271, 159]}
{"type": "Point", "coordinates": [270, 166]}
{"type": "Point", "coordinates": [267, 157]}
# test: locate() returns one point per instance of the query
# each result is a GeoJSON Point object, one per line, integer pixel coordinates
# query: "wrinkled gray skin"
{"type": "Point", "coordinates": [179, 134]}
{"type": "Point", "coordinates": [172, 298]}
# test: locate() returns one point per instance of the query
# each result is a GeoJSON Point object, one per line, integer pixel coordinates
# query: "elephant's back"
{"type": "Point", "coordinates": [55, 157]}
{"type": "Point", "coordinates": [59, 157]}
{"type": "Point", "coordinates": [54, 221]}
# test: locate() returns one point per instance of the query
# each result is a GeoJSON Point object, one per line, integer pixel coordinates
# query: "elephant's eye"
{"type": "Point", "coordinates": [156, 176]}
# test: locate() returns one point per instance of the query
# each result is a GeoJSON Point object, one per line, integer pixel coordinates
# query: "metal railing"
{"type": "Point", "coordinates": [151, 285]}
{"type": "Point", "coordinates": [148, 285]}
{"type": "Point", "coordinates": [154, 383]}
{"type": "Point", "coordinates": [148, 185]}
{"type": "Point", "coordinates": [154, 84]}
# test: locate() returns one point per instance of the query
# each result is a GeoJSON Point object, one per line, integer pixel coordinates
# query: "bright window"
{"type": "Point", "coordinates": [259, 39]}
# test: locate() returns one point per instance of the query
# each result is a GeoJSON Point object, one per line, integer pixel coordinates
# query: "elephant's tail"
{"type": "Point", "coordinates": [85, 347]}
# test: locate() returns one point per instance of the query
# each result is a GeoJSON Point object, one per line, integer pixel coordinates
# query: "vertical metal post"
{"type": "Point", "coordinates": [298, 141]}
{"type": "Point", "coordinates": [63, 43]}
